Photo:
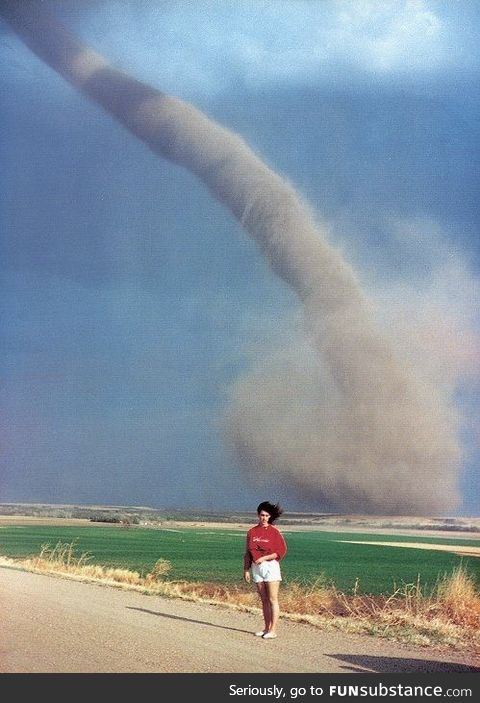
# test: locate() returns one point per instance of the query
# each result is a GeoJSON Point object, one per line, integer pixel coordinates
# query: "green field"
{"type": "Point", "coordinates": [216, 554]}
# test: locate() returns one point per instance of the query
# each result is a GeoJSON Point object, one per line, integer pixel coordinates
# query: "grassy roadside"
{"type": "Point", "coordinates": [448, 616]}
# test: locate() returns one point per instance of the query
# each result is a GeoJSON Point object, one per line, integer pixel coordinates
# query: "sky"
{"type": "Point", "coordinates": [132, 301]}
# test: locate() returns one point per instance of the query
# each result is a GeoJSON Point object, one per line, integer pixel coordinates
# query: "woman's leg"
{"type": "Point", "coordinates": [274, 608]}
{"type": "Point", "coordinates": [267, 613]}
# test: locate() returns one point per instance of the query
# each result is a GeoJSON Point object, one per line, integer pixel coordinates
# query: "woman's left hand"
{"type": "Point", "coordinates": [259, 560]}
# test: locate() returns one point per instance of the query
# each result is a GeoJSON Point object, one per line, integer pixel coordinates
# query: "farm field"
{"type": "Point", "coordinates": [215, 554]}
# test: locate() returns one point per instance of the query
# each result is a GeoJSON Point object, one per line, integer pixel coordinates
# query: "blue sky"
{"type": "Point", "coordinates": [131, 300]}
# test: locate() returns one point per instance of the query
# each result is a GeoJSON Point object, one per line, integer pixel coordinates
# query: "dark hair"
{"type": "Point", "coordinates": [273, 509]}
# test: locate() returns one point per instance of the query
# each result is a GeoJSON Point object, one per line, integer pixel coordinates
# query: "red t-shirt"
{"type": "Point", "coordinates": [264, 540]}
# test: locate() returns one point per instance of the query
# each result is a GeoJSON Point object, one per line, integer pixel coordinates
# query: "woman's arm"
{"type": "Point", "coordinates": [280, 548]}
{"type": "Point", "coordinates": [266, 557]}
{"type": "Point", "coordinates": [247, 562]}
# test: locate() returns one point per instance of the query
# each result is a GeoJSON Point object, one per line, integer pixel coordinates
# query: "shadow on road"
{"type": "Point", "coordinates": [392, 665]}
{"type": "Point", "coordinates": [178, 617]}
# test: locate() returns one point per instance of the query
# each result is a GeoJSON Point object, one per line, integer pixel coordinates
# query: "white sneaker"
{"type": "Point", "coordinates": [260, 634]}
{"type": "Point", "coordinates": [269, 636]}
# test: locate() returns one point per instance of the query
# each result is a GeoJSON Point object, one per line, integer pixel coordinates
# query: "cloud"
{"type": "Point", "coordinates": [185, 51]}
{"type": "Point", "coordinates": [432, 312]}
{"type": "Point", "coordinates": [292, 405]}
{"type": "Point", "coordinates": [394, 35]}
{"type": "Point", "coordinates": [429, 315]}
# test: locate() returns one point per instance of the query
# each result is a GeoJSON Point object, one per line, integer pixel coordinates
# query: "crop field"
{"type": "Point", "coordinates": [216, 555]}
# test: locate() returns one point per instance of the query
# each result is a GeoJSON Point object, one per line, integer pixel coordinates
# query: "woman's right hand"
{"type": "Point", "coordinates": [246, 576]}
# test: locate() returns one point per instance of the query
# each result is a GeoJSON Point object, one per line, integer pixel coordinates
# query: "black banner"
{"type": "Point", "coordinates": [249, 687]}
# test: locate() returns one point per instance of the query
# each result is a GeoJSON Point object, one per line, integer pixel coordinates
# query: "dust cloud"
{"type": "Point", "coordinates": [355, 427]}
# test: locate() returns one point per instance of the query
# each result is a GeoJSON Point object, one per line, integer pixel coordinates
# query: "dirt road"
{"type": "Point", "coordinates": [50, 624]}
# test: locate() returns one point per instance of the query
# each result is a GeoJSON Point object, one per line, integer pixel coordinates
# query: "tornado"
{"type": "Point", "coordinates": [356, 428]}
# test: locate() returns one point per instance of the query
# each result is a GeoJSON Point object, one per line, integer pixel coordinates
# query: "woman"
{"type": "Point", "coordinates": [265, 548]}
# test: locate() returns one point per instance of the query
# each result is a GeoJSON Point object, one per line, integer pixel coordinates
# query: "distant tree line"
{"type": "Point", "coordinates": [118, 519]}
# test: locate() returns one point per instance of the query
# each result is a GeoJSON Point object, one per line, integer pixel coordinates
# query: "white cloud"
{"type": "Point", "coordinates": [208, 47]}
{"type": "Point", "coordinates": [395, 35]}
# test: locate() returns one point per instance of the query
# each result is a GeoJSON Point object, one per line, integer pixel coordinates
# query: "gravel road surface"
{"type": "Point", "coordinates": [51, 624]}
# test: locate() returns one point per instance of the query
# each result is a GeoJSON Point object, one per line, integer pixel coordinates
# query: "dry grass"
{"type": "Point", "coordinates": [459, 599]}
{"type": "Point", "coordinates": [62, 559]}
{"type": "Point", "coordinates": [450, 616]}
{"type": "Point", "coordinates": [160, 569]}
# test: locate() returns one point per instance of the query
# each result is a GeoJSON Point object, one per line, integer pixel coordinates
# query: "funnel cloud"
{"type": "Point", "coordinates": [341, 418]}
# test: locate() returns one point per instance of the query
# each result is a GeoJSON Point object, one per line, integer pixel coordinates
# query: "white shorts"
{"type": "Point", "coordinates": [266, 571]}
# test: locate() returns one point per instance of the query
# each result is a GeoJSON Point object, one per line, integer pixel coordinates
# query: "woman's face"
{"type": "Point", "coordinates": [263, 518]}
